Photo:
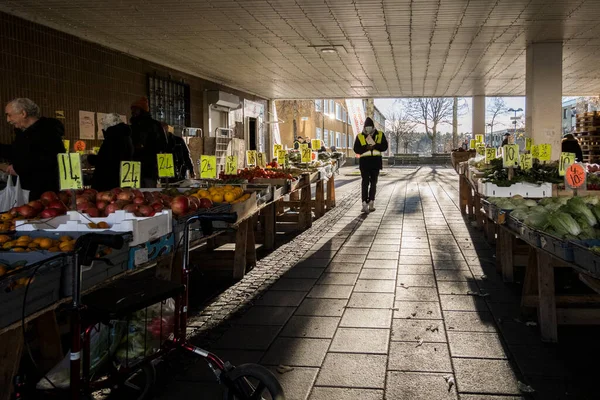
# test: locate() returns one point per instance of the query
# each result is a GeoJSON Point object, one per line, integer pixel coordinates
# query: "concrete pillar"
{"type": "Point", "coordinates": [479, 116]}
{"type": "Point", "coordinates": [543, 86]}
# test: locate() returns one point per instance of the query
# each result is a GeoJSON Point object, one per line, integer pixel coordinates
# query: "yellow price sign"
{"type": "Point", "coordinates": [261, 160]}
{"type": "Point", "coordinates": [69, 170]}
{"type": "Point", "coordinates": [96, 150]}
{"type": "Point", "coordinates": [251, 157]}
{"type": "Point", "coordinates": [566, 159]}
{"type": "Point", "coordinates": [481, 149]}
{"type": "Point", "coordinates": [304, 145]}
{"type": "Point", "coordinates": [208, 167]}
{"type": "Point", "coordinates": [276, 148]}
{"type": "Point", "coordinates": [490, 154]}
{"type": "Point", "coordinates": [510, 155]}
{"type": "Point", "coordinates": [231, 165]}
{"type": "Point", "coordinates": [316, 144]}
{"type": "Point", "coordinates": [526, 161]}
{"type": "Point", "coordinates": [472, 144]}
{"type": "Point", "coordinates": [545, 152]}
{"type": "Point", "coordinates": [528, 143]}
{"type": "Point", "coordinates": [131, 174]}
{"type": "Point", "coordinates": [306, 154]}
{"type": "Point", "coordinates": [479, 138]}
{"type": "Point", "coordinates": [166, 167]}
{"type": "Point", "coordinates": [535, 151]}
{"type": "Point", "coordinates": [67, 144]}
{"type": "Point", "coordinates": [281, 157]}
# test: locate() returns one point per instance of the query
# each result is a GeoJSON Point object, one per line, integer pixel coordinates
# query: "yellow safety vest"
{"type": "Point", "coordinates": [363, 142]}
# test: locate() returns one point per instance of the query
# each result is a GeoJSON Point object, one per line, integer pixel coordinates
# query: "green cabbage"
{"type": "Point", "coordinates": [590, 199]}
{"type": "Point", "coordinates": [577, 207]}
{"type": "Point", "coordinates": [564, 224]}
{"type": "Point", "coordinates": [537, 220]}
{"type": "Point", "coordinates": [530, 203]}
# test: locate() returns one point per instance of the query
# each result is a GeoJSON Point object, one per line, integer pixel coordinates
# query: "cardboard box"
{"type": "Point", "coordinates": [151, 250]}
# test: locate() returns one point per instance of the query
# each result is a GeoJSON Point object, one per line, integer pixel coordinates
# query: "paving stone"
{"type": "Point", "coordinates": [353, 250]}
{"type": "Point", "coordinates": [248, 338]}
{"type": "Point", "coordinates": [415, 252]}
{"type": "Point", "coordinates": [262, 315]}
{"type": "Point", "coordinates": [381, 264]}
{"type": "Point", "coordinates": [281, 299]}
{"type": "Point", "coordinates": [415, 280]}
{"type": "Point", "coordinates": [413, 245]}
{"type": "Point", "coordinates": [391, 242]}
{"type": "Point", "coordinates": [413, 330]}
{"type": "Point", "coordinates": [383, 255]}
{"type": "Point", "coordinates": [452, 302]}
{"type": "Point", "coordinates": [371, 300]}
{"type": "Point", "coordinates": [418, 386]}
{"type": "Point", "coordinates": [344, 267]}
{"type": "Point", "coordinates": [330, 292]}
{"type": "Point", "coordinates": [485, 376]}
{"type": "Point", "coordinates": [300, 285]}
{"type": "Point", "coordinates": [387, 274]}
{"type": "Point", "coordinates": [321, 307]}
{"type": "Point", "coordinates": [353, 370]}
{"type": "Point", "coordinates": [469, 321]}
{"type": "Point", "coordinates": [416, 293]}
{"type": "Point", "coordinates": [338, 279]}
{"type": "Point", "coordinates": [414, 260]}
{"type": "Point", "coordinates": [366, 318]}
{"type": "Point", "coordinates": [375, 286]}
{"type": "Point", "coordinates": [349, 258]}
{"type": "Point", "coordinates": [451, 287]}
{"type": "Point", "coordinates": [311, 327]}
{"type": "Point", "coordinates": [328, 393]}
{"type": "Point", "coordinates": [415, 270]}
{"type": "Point", "coordinates": [517, 333]}
{"type": "Point", "coordinates": [360, 340]}
{"type": "Point", "coordinates": [450, 264]}
{"type": "Point", "coordinates": [317, 254]}
{"type": "Point", "coordinates": [297, 352]}
{"type": "Point", "coordinates": [417, 310]}
{"type": "Point", "coordinates": [385, 247]}
{"type": "Point", "coordinates": [390, 231]}
{"type": "Point", "coordinates": [453, 275]}
{"type": "Point", "coordinates": [296, 383]}
{"type": "Point", "coordinates": [420, 357]}
{"type": "Point", "coordinates": [327, 246]}
{"type": "Point", "coordinates": [381, 235]}
{"type": "Point", "coordinates": [438, 232]}
{"type": "Point", "coordinates": [303, 273]}
{"type": "Point", "coordinates": [448, 256]}
{"type": "Point", "coordinates": [358, 243]}
{"type": "Point", "coordinates": [476, 344]}
{"type": "Point", "coordinates": [543, 361]}
{"type": "Point", "coordinates": [312, 262]}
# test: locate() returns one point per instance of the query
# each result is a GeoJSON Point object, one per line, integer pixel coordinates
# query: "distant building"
{"type": "Point", "coordinates": [569, 115]}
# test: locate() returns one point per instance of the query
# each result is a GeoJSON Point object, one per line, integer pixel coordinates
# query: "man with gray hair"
{"type": "Point", "coordinates": [38, 141]}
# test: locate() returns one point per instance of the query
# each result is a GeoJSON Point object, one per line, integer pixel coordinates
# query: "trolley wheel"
{"type": "Point", "coordinates": [252, 382]}
{"type": "Point", "coordinates": [139, 384]}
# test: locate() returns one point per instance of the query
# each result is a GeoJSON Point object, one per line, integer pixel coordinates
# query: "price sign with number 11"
{"type": "Point", "coordinates": [69, 170]}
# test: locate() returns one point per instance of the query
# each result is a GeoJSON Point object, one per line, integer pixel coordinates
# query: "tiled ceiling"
{"type": "Point", "coordinates": [385, 48]}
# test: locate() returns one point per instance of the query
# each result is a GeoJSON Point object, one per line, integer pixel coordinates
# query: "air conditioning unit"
{"type": "Point", "coordinates": [219, 100]}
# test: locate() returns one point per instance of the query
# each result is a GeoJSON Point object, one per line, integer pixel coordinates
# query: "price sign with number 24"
{"type": "Point", "coordinates": [130, 174]}
{"type": "Point", "coordinates": [166, 168]}
{"type": "Point", "coordinates": [208, 167]}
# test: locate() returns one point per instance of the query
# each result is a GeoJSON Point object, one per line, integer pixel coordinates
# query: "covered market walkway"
{"type": "Point", "coordinates": [404, 303]}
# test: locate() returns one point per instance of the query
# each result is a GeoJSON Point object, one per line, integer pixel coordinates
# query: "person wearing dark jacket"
{"type": "Point", "coordinates": [571, 145]}
{"type": "Point", "coordinates": [148, 140]}
{"type": "Point", "coordinates": [116, 147]}
{"type": "Point", "coordinates": [181, 153]}
{"type": "Point", "coordinates": [35, 150]}
{"type": "Point", "coordinates": [370, 144]}
{"type": "Point", "coordinates": [506, 139]}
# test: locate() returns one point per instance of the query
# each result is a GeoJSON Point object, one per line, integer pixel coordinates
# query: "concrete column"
{"type": "Point", "coordinates": [543, 105]}
{"type": "Point", "coordinates": [479, 116]}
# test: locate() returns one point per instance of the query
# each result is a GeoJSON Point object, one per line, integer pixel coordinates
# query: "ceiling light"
{"type": "Point", "coordinates": [328, 50]}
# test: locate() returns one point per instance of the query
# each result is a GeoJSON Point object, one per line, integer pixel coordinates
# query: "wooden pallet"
{"type": "Point", "coordinates": [590, 148]}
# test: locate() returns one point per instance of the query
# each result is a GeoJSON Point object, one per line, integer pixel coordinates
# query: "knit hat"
{"type": "Point", "coordinates": [369, 122]}
{"type": "Point", "coordinates": [142, 104]}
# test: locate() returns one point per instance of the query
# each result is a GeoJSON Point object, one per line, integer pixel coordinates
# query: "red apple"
{"type": "Point", "coordinates": [81, 199]}
{"type": "Point", "coordinates": [48, 197]}
{"type": "Point", "coordinates": [59, 205]}
{"type": "Point", "coordinates": [146, 211]}
{"type": "Point", "coordinates": [101, 205]}
{"type": "Point", "coordinates": [13, 211]}
{"type": "Point", "coordinates": [122, 203]}
{"type": "Point", "coordinates": [37, 205]}
{"type": "Point", "coordinates": [193, 206]}
{"type": "Point", "coordinates": [194, 199]}
{"type": "Point", "coordinates": [50, 213]}
{"type": "Point", "coordinates": [157, 206]}
{"type": "Point", "coordinates": [116, 191]}
{"type": "Point", "coordinates": [131, 208]}
{"type": "Point", "coordinates": [139, 200]}
{"type": "Point", "coordinates": [205, 203]}
{"type": "Point", "coordinates": [90, 192]}
{"type": "Point", "coordinates": [180, 205]}
{"type": "Point", "coordinates": [106, 196]}
{"type": "Point", "coordinates": [93, 212]}
{"type": "Point", "coordinates": [27, 211]}
{"type": "Point", "coordinates": [137, 193]}
{"type": "Point", "coordinates": [65, 197]}
{"type": "Point", "coordinates": [126, 196]}
{"type": "Point", "coordinates": [111, 208]}
{"type": "Point", "coordinates": [84, 206]}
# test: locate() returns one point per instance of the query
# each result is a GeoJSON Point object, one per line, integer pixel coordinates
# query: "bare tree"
{"type": "Point", "coordinates": [400, 130]}
{"type": "Point", "coordinates": [297, 109]}
{"type": "Point", "coordinates": [430, 112]}
{"type": "Point", "coordinates": [496, 108]}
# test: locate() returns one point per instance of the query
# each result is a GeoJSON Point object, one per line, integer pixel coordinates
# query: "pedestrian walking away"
{"type": "Point", "coordinates": [370, 144]}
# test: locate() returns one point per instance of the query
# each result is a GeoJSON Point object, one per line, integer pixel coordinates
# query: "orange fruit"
{"type": "Point", "coordinates": [18, 249]}
{"type": "Point", "coordinates": [229, 196]}
{"type": "Point", "coordinates": [65, 238]}
{"type": "Point", "coordinates": [4, 238]}
{"type": "Point", "coordinates": [203, 194]}
{"type": "Point", "coordinates": [6, 217]}
{"type": "Point", "coordinates": [33, 245]}
{"type": "Point", "coordinates": [8, 245]}
{"type": "Point", "coordinates": [2, 270]}
{"type": "Point", "coordinates": [103, 225]}
{"type": "Point", "coordinates": [93, 225]}
{"type": "Point", "coordinates": [54, 249]}
{"type": "Point", "coordinates": [46, 243]}
{"type": "Point", "coordinates": [228, 187]}
{"type": "Point", "coordinates": [67, 248]}
{"type": "Point", "coordinates": [217, 198]}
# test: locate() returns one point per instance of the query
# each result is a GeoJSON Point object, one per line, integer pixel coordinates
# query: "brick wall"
{"type": "Point", "coordinates": [62, 72]}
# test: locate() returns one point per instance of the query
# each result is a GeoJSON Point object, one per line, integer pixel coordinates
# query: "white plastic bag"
{"type": "Point", "coordinates": [13, 195]}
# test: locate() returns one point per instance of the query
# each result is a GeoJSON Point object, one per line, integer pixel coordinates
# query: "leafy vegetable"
{"type": "Point", "coordinates": [564, 224]}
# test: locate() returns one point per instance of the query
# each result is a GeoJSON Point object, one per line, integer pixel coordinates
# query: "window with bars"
{"type": "Point", "coordinates": [338, 112]}
{"type": "Point", "coordinates": [332, 106]}
{"type": "Point", "coordinates": [169, 100]}
{"type": "Point", "coordinates": [325, 137]}
{"type": "Point", "coordinates": [326, 106]}
{"type": "Point", "coordinates": [319, 105]}
{"type": "Point", "coordinates": [319, 133]}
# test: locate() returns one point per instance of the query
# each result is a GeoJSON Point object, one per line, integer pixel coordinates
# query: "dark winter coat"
{"type": "Point", "coordinates": [116, 147]}
{"type": "Point", "coordinates": [34, 156]}
{"type": "Point", "coordinates": [572, 146]}
{"type": "Point", "coordinates": [373, 162]}
{"type": "Point", "coordinates": [149, 139]}
{"type": "Point", "coordinates": [181, 156]}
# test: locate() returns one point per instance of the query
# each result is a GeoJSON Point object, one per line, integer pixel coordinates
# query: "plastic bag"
{"type": "Point", "coordinates": [13, 195]}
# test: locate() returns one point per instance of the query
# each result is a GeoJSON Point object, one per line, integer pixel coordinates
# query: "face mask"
{"type": "Point", "coordinates": [368, 129]}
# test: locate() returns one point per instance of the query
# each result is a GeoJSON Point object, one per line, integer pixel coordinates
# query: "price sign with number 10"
{"type": "Point", "coordinates": [130, 174]}
{"type": "Point", "coordinates": [510, 155]}
{"type": "Point", "coordinates": [69, 170]}
{"type": "Point", "coordinates": [208, 167]}
{"type": "Point", "coordinates": [576, 177]}
{"type": "Point", "coordinates": [231, 164]}
{"type": "Point", "coordinates": [166, 167]}
{"type": "Point", "coordinates": [566, 159]}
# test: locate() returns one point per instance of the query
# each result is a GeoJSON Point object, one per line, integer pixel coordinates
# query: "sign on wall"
{"type": "Point", "coordinates": [356, 112]}
{"type": "Point", "coordinates": [87, 125]}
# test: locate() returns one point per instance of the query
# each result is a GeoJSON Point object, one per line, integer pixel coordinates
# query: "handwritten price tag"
{"type": "Point", "coordinates": [479, 138]}
{"type": "Point", "coordinates": [545, 152]}
{"type": "Point", "coordinates": [130, 174]}
{"type": "Point", "coordinates": [575, 177]}
{"type": "Point", "coordinates": [472, 144]}
{"type": "Point", "coordinates": [166, 167]}
{"type": "Point", "coordinates": [566, 159]}
{"type": "Point", "coordinates": [490, 154]}
{"type": "Point", "coordinates": [304, 145]}
{"type": "Point", "coordinates": [481, 149]}
{"type": "Point", "coordinates": [261, 159]}
{"type": "Point", "coordinates": [528, 144]}
{"type": "Point", "coordinates": [306, 154]}
{"type": "Point", "coordinates": [276, 148]}
{"type": "Point", "coordinates": [69, 170]}
{"type": "Point", "coordinates": [231, 164]}
{"type": "Point", "coordinates": [526, 162]}
{"type": "Point", "coordinates": [208, 167]}
{"type": "Point", "coordinates": [251, 157]}
{"type": "Point", "coordinates": [281, 157]}
{"type": "Point", "coordinates": [67, 144]}
{"type": "Point", "coordinates": [316, 144]}
{"type": "Point", "coordinates": [510, 155]}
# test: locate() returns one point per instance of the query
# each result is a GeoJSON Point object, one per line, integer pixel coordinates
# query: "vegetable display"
{"type": "Point", "coordinates": [539, 173]}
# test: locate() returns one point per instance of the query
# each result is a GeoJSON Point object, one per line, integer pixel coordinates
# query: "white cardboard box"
{"type": "Point", "coordinates": [527, 190]}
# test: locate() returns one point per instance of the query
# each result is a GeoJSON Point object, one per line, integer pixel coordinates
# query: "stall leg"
{"type": "Point", "coordinates": [547, 300]}
{"type": "Point", "coordinates": [11, 348]}
{"type": "Point", "coordinates": [270, 226]}
{"type": "Point", "coordinates": [530, 283]}
{"type": "Point", "coordinates": [241, 242]}
{"type": "Point", "coordinates": [490, 231]}
{"type": "Point", "coordinates": [320, 200]}
{"type": "Point", "coordinates": [305, 216]}
{"type": "Point", "coordinates": [330, 193]}
{"type": "Point", "coordinates": [250, 246]}
{"type": "Point", "coordinates": [506, 246]}
{"type": "Point", "coordinates": [464, 194]}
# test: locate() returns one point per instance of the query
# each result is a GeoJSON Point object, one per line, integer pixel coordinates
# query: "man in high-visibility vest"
{"type": "Point", "coordinates": [370, 144]}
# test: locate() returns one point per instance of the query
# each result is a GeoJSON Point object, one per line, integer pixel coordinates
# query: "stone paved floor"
{"type": "Point", "coordinates": [398, 304]}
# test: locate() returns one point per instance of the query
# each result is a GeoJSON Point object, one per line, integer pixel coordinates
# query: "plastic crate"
{"type": "Point", "coordinates": [556, 246]}
{"type": "Point", "coordinates": [526, 190]}
{"type": "Point", "coordinates": [44, 289]}
{"type": "Point", "coordinates": [527, 234]}
{"type": "Point", "coordinates": [585, 258]}
{"type": "Point", "coordinates": [151, 250]}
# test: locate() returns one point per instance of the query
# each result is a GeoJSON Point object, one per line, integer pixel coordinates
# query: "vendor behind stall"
{"type": "Point", "coordinates": [181, 153]}
{"type": "Point", "coordinates": [35, 149]}
{"type": "Point", "coordinates": [571, 145]}
{"type": "Point", "coordinates": [116, 147]}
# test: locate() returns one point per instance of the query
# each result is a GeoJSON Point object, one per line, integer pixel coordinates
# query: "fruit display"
{"type": "Point", "coordinates": [222, 194]}
{"type": "Point", "coordinates": [23, 244]}
{"type": "Point", "coordinates": [50, 205]}
{"type": "Point", "coordinates": [250, 174]}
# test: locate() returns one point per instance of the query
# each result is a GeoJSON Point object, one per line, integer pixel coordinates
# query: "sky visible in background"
{"type": "Point", "coordinates": [465, 122]}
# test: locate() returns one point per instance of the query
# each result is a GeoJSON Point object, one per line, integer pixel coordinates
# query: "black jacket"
{"type": "Point", "coordinates": [117, 147]}
{"type": "Point", "coordinates": [34, 156]}
{"type": "Point", "coordinates": [181, 156]}
{"type": "Point", "coordinates": [572, 146]}
{"type": "Point", "coordinates": [149, 139]}
{"type": "Point", "coordinates": [374, 162]}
